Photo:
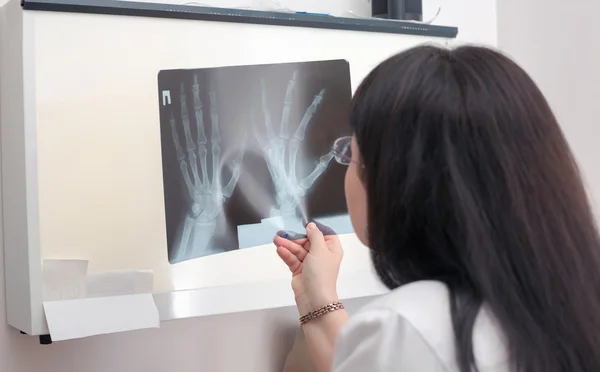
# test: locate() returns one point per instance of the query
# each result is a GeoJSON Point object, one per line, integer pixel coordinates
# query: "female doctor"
{"type": "Point", "coordinates": [463, 186]}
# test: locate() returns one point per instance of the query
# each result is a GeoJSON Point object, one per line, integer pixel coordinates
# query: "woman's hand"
{"type": "Point", "coordinates": [315, 264]}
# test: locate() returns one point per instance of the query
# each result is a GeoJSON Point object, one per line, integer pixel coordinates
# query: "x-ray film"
{"type": "Point", "coordinates": [247, 151]}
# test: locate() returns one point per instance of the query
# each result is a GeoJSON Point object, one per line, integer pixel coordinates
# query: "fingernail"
{"type": "Point", "coordinates": [311, 226]}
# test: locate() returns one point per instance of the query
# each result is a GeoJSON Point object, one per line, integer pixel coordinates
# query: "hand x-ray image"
{"type": "Point", "coordinates": [247, 151]}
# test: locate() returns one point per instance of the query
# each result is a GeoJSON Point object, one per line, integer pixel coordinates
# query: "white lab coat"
{"type": "Point", "coordinates": [410, 330]}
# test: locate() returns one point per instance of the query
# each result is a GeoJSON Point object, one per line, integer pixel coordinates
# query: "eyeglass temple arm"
{"type": "Point", "coordinates": [292, 235]}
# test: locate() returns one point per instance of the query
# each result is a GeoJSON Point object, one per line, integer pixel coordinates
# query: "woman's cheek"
{"type": "Point", "coordinates": [356, 202]}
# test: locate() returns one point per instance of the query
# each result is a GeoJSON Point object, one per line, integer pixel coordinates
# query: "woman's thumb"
{"type": "Point", "coordinates": [317, 240]}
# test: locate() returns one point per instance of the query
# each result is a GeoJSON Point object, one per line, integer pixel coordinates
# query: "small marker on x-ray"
{"type": "Point", "coordinates": [166, 97]}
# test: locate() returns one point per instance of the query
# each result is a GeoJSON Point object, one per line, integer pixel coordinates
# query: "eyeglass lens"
{"type": "Point", "coordinates": [342, 150]}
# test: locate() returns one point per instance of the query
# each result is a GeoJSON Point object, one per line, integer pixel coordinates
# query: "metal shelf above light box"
{"type": "Point", "coordinates": [202, 13]}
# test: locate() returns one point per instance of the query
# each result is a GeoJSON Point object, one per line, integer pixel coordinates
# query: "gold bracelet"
{"type": "Point", "coordinates": [321, 311]}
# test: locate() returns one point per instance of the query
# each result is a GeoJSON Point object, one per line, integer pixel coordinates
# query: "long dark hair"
{"type": "Point", "coordinates": [471, 182]}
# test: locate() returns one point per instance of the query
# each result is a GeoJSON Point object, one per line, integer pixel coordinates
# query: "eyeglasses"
{"type": "Point", "coordinates": [342, 151]}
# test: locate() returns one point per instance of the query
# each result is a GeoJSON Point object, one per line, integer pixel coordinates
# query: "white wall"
{"type": "Point", "coordinates": [241, 342]}
{"type": "Point", "coordinates": [559, 45]}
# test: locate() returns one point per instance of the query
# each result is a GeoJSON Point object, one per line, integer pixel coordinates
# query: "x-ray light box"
{"type": "Point", "coordinates": [146, 155]}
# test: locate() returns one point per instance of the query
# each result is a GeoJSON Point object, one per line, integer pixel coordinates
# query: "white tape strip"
{"type": "Point", "coordinates": [119, 283]}
{"type": "Point", "coordinates": [80, 305]}
{"type": "Point", "coordinates": [95, 316]}
{"type": "Point", "coordinates": [64, 279]}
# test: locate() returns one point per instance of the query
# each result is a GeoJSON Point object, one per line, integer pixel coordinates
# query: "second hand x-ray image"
{"type": "Point", "coordinates": [247, 151]}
